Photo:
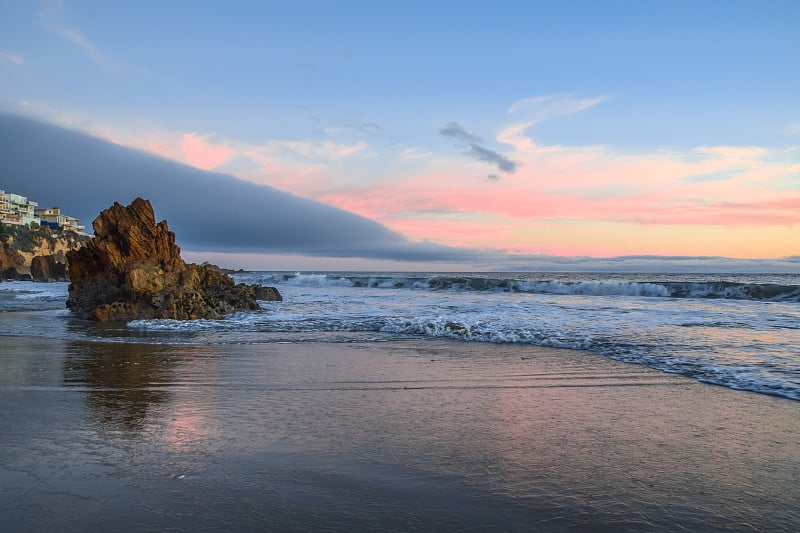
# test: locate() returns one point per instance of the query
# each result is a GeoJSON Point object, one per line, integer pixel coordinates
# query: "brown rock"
{"type": "Point", "coordinates": [132, 269]}
{"type": "Point", "coordinates": [11, 262]}
{"type": "Point", "coordinates": [20, 244]}
{"type": "Point", "coordinates": [266, 293]}
{"type": "Point", "coordinates": [47, 268]}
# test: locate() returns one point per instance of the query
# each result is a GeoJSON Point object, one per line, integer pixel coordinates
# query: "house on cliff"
{"type": "Point", "coordinates": [16, 209]}
{"type": "Point", "coordinates": [31, 252]}
{"type": "Point", "coordinates": [54, 218]}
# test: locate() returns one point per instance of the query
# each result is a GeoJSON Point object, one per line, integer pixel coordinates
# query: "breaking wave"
{"type": "Point", "coordinates": [719, 289]}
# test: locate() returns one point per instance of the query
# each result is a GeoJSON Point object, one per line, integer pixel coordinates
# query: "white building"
{"type": "Point", "coordinates": [5, 211]}
{"type": "Point", "coordinates": [53, 217]}
{"type": "Point", "coordinates": [16, 209]}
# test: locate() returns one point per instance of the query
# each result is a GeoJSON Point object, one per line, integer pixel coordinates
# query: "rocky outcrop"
{"type": "Point", "coordinates": [132, 269]}
{"type": "Point", "coordinates": [19, 245]}
{"type": "Point", "coordinates": [12, 263]}
{"type": "Point", "coordinates": [48, 268]}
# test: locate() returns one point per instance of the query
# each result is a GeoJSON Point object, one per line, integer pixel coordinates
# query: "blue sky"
{"type": "Point", "coordinates": [272, 68]}
{"type": "Point", "coordinates": [345, 102]}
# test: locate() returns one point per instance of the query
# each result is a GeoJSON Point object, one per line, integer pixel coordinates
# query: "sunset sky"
{"type": "Point", "coordinates": [591, 128]}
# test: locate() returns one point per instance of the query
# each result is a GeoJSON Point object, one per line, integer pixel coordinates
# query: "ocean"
{"type": "Point", "coordinates": [398, 401]}
{"type": "Point", "coordinates": [738, 331]}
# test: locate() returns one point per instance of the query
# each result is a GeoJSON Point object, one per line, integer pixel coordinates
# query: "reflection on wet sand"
{"type": "Point", "coordinates": [392, 436]}
{"type": "Point", "coordinates": [144, 391]}
{"type": "Point", "coordinates": [124, 382]}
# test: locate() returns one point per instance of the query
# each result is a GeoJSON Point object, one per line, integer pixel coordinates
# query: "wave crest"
{"type": "Point", "coordinates": [648, 289]}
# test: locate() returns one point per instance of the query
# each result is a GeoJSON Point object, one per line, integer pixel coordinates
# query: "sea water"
{"type": "Point", "coordinates": [736, 330]}
{"type": "Point", "coordinates": [400, 402]}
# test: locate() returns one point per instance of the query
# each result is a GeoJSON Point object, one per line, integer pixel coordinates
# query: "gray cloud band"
{"type": "Point", "coordinates": [207, 211]}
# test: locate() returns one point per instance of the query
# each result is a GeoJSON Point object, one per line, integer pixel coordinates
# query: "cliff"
{"type": "Point", "coordinates": [20, 245]}
{"type": "Point", "coordinates": [132, 269]}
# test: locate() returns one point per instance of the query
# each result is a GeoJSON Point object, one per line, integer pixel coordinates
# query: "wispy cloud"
{"type": "Point", "coordinates": [732, 152]}
{"type": "Point", "coordinates": [354, 123]}
{"type": "Point", "coordinates": [94, 53]}
{"type": "Point", "coordinates": [534, 110]}
{"type": "Point", "coordinates": [55, 18]}
{"type": "Point", "coordinates": [782, 212]}
{"type": "Point", "coordinates": [14, 58]}
{"type": "Point", "coordinates": [456, 131]}
{"type": "Point", "coordinates": [475, 150]}
{"type": "Point", "coordinates": [793, 128]}
{"type": "Point", "coordinates": [321, 150]}
{"type": "Point", "coordinates": [415, 153]}
{"type": "Point", "coordinates": [490, 156]}
{"type": "Point", "coordinates": [721, 175]}
{"type": "Point", "coordinates": [542, 108]}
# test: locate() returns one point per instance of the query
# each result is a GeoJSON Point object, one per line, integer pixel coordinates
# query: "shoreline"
{"type": "Point", "coordinates": [427, 434]}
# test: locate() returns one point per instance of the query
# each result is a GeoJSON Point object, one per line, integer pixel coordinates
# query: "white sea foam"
{"type": "Point", "coordinates": [30, 289]}
{"type": "Point", "coordinates": [737, 332]}
{"type": "Point", "coordinates": [742, 288]}
{"type": "Point", "coordinates": [753, 345]}
{"type": "Point", "coordinates": [28, 295]}
{"type": "Point", "coordinates": [596, 288]}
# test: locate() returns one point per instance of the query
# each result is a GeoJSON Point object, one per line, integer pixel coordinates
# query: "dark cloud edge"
{"type": "Point", "coordinates": [83, 174]}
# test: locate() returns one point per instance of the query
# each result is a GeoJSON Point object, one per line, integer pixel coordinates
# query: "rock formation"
{"type": "Point", "coordinates": [19, 245]}
{"type": "Point", "coordinates": [11, 263]}
{"type": "Point", "coordinates": [132, 269]}
{"type": "Point", "coordinates": [48, 268]}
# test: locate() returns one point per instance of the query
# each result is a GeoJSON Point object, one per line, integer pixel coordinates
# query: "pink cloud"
{"type": "Point", "coordinates": [465, 233]}
{"type": "Point", "coordinates": [14, 58]}
{"type": "Point", "coordinates": [436, 207]}
{"type": "Point", "coordinates": [202, 154]}
{"type": "Point", "coordinates": [783, 212]}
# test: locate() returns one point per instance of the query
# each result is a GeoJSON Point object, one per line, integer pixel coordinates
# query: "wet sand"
{"type": "Point", "coordinates": [430, 435]}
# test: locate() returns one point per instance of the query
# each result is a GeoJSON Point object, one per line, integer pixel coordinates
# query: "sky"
{"type": "Point", "coordinates": [421, 135]}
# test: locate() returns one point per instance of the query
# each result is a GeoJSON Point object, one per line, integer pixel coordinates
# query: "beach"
{"type": "Point", "coordinates": [397, 267]}
{"type": "Point", "coordinates": [430, 434]}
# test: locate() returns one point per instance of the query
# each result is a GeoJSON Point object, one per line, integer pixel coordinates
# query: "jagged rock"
{"type": "Point", "coordinates": [132, 269]}
{"type": "Point", "coordinates": [11, 262]}
{"type": "Point", "coordinates": [47, 268]}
